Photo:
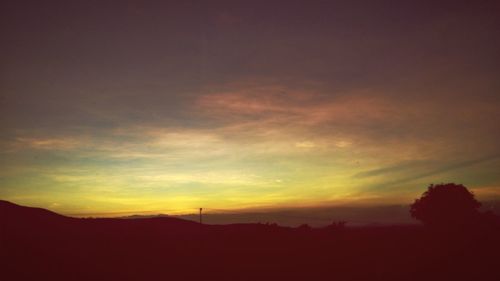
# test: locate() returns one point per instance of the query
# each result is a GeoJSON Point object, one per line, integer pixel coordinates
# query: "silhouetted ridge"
{"type": "Point", "coordinates": [19, 217]}
{"type": "Point", "coordinates": [10, 210]}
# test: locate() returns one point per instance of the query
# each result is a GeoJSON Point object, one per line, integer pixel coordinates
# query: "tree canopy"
{"type": "Point", "coordinates": [446, 205]}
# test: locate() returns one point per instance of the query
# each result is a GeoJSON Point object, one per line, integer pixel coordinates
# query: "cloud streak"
{"type": "Point", "coordinates": [433, 172]}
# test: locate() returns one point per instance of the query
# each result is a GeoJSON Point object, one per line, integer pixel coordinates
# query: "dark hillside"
{"type": "Point", "coordinates": [40, 245]}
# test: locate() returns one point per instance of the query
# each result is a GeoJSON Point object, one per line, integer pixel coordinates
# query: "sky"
{"type": "Point", "coordinates": [121, 107]}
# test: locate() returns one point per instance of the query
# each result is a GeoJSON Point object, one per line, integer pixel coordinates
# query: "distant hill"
{"type": "Point", "coordinates": [17, 218]}
{"type": "Point", "coordinates": [20, 218]}
{"type": "Point", "coordinates": [314, 216]}
{"type": "Point", "coordinates": [143, 216]}
{"type": "Point", "coordinates": [9, 210]}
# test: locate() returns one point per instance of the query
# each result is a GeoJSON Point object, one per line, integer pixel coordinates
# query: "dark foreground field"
{"type": "Point", "coordinates": [36, 244]}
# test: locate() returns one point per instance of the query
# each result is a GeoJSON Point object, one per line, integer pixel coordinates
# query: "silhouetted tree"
{"type": "Point", "coordinates": [304, 227]}
{"type": "Point", "coordinates": [446, 205]}
{"type": "Point", "coordinates": [337, 225]}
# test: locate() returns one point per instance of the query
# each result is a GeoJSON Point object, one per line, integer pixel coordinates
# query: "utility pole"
{"type": "Point", "coordinates": [201, 221]}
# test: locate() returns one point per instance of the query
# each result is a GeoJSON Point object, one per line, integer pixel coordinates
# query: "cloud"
{"type": "Point", "coordinates": [399, 167]}
{"type": "Point", "coordinates": [441, 170]}
{"type": "Point", "coordinates": [43, 143]}
{"type": "Point", "coordinates": [305, 144]}
{"type": "Point", "coordinates": [330, 98]}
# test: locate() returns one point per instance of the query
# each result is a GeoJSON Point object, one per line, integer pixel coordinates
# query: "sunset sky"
{"type": "Point", "coordinates": [115, 107]}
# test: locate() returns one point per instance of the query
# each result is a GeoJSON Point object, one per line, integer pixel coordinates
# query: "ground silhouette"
{"type": "Point", "coordinates": [37, 244]}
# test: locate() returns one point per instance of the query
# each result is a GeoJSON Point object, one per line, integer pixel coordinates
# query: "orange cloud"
{"type": "Point", "coordinates": [63, 143]}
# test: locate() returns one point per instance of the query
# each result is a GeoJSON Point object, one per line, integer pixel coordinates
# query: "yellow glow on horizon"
{"type": "Point", "coordinates": [265, 153]}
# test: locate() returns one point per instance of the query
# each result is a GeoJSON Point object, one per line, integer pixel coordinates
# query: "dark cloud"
{"type": "Point", "coordinates": [430, 172]}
